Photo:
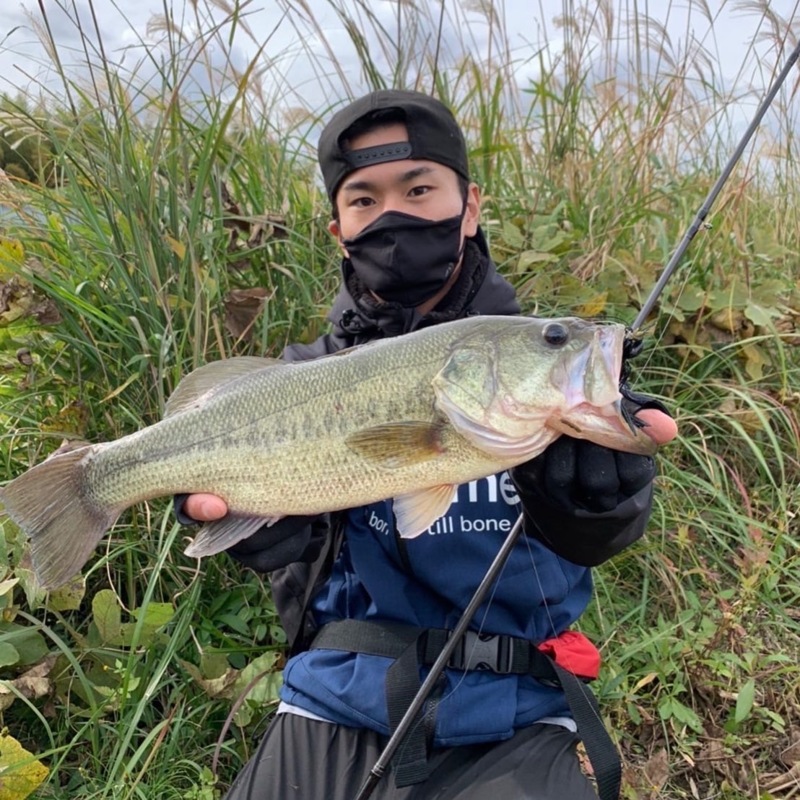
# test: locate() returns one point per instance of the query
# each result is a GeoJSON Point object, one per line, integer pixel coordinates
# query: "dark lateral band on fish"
{"type": "Point", "coordinates": [426, 412]}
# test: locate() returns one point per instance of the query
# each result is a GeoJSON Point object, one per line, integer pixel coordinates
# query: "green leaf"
{"type": "Point", "coordinates": [220, 685]}
{"type": "Point", "coordinates": [745, 700]}
{"type": "Point", "coordinates": [34, 593]}
{"type": "Point", "coordinates": [9, 654]}
{"type": "Point", "coordinates": [665, 709]}
{"type": "Point", "coordinates": [686, 715]}
{"type": "Point", "coordinates": [69, 596]}
{"type": "Point", "coordinates": [156, 615]}
{"type": "Point", "coordinates": [213, 665]}
{"type": "Point", "coordinates": [28, 642]}
{"type": "Point", "coordinates": [691, 299]}
{"type": "Point", "coordinates": [757, 314]}
{"type": "Point", "coordinates": [533, 257]}
{"type": "Point", "coordinates": [265, 691]}
{"type": "Point", "coordinates": [734, 295]}
{"type": "Point", "coordinates": [107, 616]}
{"type": "Point", "coordinates": [513, 236]}
{"type": "Point", "coordinates": [234, 622]}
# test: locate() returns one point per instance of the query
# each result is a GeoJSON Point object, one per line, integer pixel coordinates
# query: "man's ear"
{"type": "Point", "coordinates": [472, 213]}
{"type": "Point", "coordinates": [335, 230]}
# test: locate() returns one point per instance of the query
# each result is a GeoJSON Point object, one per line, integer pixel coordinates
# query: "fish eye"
{"type": "Point", "coordinates": [556, 334]}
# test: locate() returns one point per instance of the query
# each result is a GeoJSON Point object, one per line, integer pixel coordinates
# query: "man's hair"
{"type": "Point", "coordinates": [380, 118]}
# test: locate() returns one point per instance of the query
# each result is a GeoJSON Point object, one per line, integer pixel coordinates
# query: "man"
{"type": "Point", "coordinates": [406, 217]}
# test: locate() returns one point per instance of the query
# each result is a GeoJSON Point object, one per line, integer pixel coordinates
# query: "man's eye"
{"type": "Point", "coordinates": [418, 191]}
{"type": "Point", "coordinates": [362, 202]}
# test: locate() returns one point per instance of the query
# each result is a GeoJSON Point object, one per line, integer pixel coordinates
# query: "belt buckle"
{"type": "Point", "coordinates": [483, 652]}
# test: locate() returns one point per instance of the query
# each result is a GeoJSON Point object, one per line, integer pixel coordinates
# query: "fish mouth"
{"type": "Point", "coordinates": [594, 408]}
{"type": "Point", "coordinates": [609, 426]}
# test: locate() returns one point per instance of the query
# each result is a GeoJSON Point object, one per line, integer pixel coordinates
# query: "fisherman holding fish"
{"type": "Point", "coordinates": [366, 611]}
{"type": "Point", "coordinates": [463, 412]}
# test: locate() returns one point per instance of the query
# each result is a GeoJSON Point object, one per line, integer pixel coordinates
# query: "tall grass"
{"type": "Point", "coordinates": [183, 221]}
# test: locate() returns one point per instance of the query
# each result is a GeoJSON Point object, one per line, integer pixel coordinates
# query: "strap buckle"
{"type": "Point", "coordinates": [483, 652]}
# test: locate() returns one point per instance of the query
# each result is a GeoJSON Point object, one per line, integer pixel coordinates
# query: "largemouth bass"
{"type": "Point", "coordinates": [409, 417]}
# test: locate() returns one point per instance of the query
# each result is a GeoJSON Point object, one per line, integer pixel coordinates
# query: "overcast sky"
{"type": "Point", "coordinates": [300, 62]}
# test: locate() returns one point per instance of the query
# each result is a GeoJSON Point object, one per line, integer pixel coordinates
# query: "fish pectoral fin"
{"type": "Point", "coordinates": [211, 377]}
{"type": "Point", "coordinates": [416, 512]}
{"type": "Point", "coordinates": [398, 444]}
{"type": "Point", "coordinates": [224, 533]}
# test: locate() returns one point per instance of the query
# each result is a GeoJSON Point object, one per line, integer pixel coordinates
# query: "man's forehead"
{"type": "Point", "coordinates": [391, 173]}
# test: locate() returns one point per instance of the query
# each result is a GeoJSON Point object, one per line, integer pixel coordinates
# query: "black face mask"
{"type": "Point", "coordinates": [406, 259]}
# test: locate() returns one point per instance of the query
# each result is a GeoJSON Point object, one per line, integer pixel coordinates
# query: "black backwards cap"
{"type": "Point", "coordinates": [433, 135]}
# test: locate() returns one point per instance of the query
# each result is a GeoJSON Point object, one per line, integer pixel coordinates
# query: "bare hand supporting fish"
{"type": "Point", "coordinates": [410, 417]}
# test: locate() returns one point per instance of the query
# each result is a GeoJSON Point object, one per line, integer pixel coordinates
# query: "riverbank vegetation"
{"type": "Point", "coordinates": [179, 219]}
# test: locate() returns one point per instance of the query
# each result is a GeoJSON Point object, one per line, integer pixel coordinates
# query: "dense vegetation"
{"type": "Point", "coordinates": [169, 226]}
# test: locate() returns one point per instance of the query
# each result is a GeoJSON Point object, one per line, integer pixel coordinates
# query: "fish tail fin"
{"type": "Point", "coordinates": [50, 504]}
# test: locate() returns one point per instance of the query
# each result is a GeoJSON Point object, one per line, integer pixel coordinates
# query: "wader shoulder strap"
{"type": "Point", "coordinates": [413, 647]}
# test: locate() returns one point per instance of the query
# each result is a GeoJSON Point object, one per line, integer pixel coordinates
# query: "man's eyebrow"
{"type": "Point", "coordinates": [415, 173]}
{"type": "Point", "coordinates": [405, 177]}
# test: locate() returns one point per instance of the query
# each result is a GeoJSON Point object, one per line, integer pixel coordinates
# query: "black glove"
{"type": "Point", "coordinates": [577, 473]}
{"type": "Point", "coordinates": [584, 502]}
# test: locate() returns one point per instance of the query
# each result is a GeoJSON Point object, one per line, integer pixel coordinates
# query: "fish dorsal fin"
{"type": "Point", "coordinates": [204, 380]}
{"type": "Point", "coordinates": [416, 512]}
{"type": "Point", "coordinates": [398, 444]}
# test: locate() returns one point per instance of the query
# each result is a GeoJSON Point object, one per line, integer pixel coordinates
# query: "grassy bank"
{"type": "Point", "coordinates": [177, 224]}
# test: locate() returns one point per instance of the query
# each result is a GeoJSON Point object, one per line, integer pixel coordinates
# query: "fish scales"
{"type": "Point", "coordinates": [250, 454]}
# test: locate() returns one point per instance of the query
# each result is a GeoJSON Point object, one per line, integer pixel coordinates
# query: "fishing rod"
{"type": "Point", "coordinates": [701, 215]}
{"type": "Point", "coordinates": [635, 335]}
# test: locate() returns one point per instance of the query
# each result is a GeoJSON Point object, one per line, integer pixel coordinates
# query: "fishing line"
{"type": "Point", "coordinates": [479, 631]}
{"type": "Point", "coordinates": [636, 333]}
{"type": "Point", "coordinates": [702, 212]}
{"type": "Point", "coordinates": [585, 691]}
{"type": "Point", "coordinates": [540, 586]}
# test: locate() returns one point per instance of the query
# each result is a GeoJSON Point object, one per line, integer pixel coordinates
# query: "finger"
{"type": "Point", "coordinates": [560, 464]}
{"type": "Point", "coordinates": [660, 427]}
{"type": "Point", "coordinates": [205, 507]}
{"type": "Point", "coordinates": [634, 472]}
{"type": "Point", "coordinates": [597, 476]}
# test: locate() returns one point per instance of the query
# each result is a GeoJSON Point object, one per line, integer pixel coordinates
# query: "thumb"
{"type": "Point", "coordinates": [660, 427]}
{"type": "Point", "coordinates": [205, 507]}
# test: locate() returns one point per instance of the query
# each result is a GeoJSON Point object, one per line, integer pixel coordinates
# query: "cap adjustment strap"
{"type": "Point", "coordinates": [397, 151]}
